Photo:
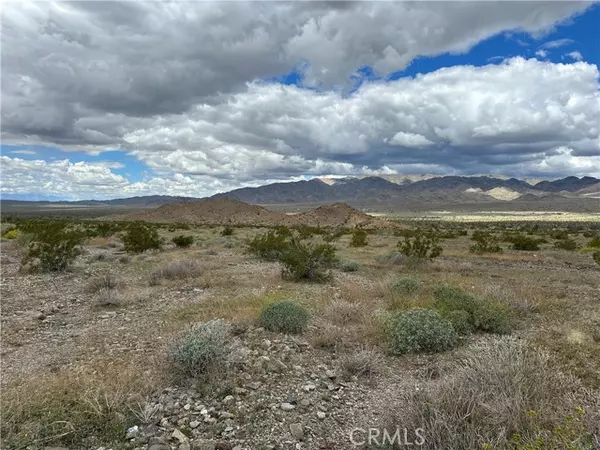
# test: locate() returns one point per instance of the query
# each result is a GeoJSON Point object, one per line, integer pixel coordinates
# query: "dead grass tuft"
{"type": "Point", "coordinates": [363, 361]}
{"type": "Point", "coordinates": [104, 282]}
{"type": "Point", "coordinates": [175, 270]}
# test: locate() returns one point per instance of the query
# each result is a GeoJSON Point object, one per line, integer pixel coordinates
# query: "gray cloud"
{"type": "Point", "coordinates": [178, 85]}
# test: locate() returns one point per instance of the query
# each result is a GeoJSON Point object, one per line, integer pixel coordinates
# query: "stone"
{"type": "Point", "coordinates": [194, 424]}
{"type": "Point", "coordinates": [287, 407]}
{"type": "Point", "coordinates": [179, 436]}
{"type": "Point", "coordinates": [305, 402]}
{"type": "Point", "coordinates": [203, 444]}
{"type": "Point", "coordinates": [155, 443]}
{"type": "Point", "coordinates": [321, 415]}
{"type": "Point", "coordinates": [330, 374]}
{"type": "Point", "coordinates": [254, 385]}
{"type": "Point", "coordinates": [223, 445]}
{"type": "Point", "coordinates": [297, 431]}
{"type": "Point", "coordinates": [132, 432]}
{"type": "Point", "coordinates": [184, 446]}
{"type": "Point", "coordinates": [309, 387]}
{"type": "Point", "coordinates": [228, 399]}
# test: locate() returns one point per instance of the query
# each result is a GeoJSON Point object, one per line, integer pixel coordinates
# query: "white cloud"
{"type": "Point", "coordinates": [558, 43]}
{"type": "Point", "coordinates": [23, 152]}
{"type": "Point", "coordinates": [575, 56]}
{"type": "Point", "coordinates": [541, 53]}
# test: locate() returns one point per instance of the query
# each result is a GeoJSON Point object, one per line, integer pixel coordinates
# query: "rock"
{"type": "Point", "coordinates": [179, 436]}
{"type": "Point", "coordinates": [305, 402]}
{"type": "Point", "coordinates": [254, 385]}
{"type": "Point", "coordinates": [228, 399]}
{"type": "Point", "coordinates": [287, 407]}
{"type": "Point", "coordinates": [223, 445]}
{"type": "Point", "coordinates": [240, 391]}
{"type": "Point", "coordinates": [132, 432]}
{"type": "Point", "coordinates": [330, 374]}
{"type": "Point", "coordinates": [309, 387]}
{"type": "Point", "coordinates": [321, 415]}
{"type": "Point", "coordinates": [157, 444]}
{"type": "Point", "coordinates": [184, 446]}
{"type": "Point", "coordinates": [203, 444]}
{"type": "Point", "coordinates": [194, 424]}
{"type": "Point", "coordinates": [297, 431]}
{"type": "Point", "coordinates": [56, 448]}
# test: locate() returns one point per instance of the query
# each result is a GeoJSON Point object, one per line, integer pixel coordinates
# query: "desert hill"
{"type": "Point", "coordinates": [225, 210]}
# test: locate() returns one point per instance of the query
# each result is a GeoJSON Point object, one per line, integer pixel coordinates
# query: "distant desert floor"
{"type": "Point", "coordinates": [493, 216]}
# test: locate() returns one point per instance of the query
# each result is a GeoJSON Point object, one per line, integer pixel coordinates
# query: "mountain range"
{"type": "Point", "coordinates": [390, 192]}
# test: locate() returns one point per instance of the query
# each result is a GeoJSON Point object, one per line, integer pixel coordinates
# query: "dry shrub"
{"type": "Point", "coordinates": [501, 389]}
{"type": "Point", "coordinates": [363, 361]}
{"type": "Point", "coordinates": [104, 282]}
{"type": "Point", "coordinates": [343, 313]}
{"type": "Point", "coordinates": [511, 298]}
{"type": "Point", "coordinates": [79, 408]}
{"type": "Point", "coordinates": [175, 270]}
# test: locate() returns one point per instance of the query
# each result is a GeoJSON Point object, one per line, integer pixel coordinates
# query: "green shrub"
{"type": "Point", "coordinates": [421, 246]}
{"type": "Point", "coordinates": [227, 231]}
{"type": "Point", "coordinates": [525, 243]}
{"type": "Point", "coordinates": [559, 235]}
{"type": "Point", "coordinates": [596, 257]}
{"type": "Point", "coordinates": [406, 286]}
{"type": "Point", "coordinates": [594, 243]}
{"type": "Point", "coordinates": [269, 246]}
{"type": "Point", "coordinates": [201, 348]}
{"type": "Point", "coordinates": [460, 320]}
{"type": "Point", "coordinates": [359, 238]}
{"type": "Point", "coordinates": [493, 317]}
{"type": "Point", "coordinates": [309, 262]}
{"type": "Point", "coordinates": [284, 317]}
{"type": "Point", "coordinates": [183, 241]}
{"type": "Point", "coordinates": [53, 247]}
{"type": "Point", "coordinates": [11, 234]}
{"type": "Point", "coordinates": [566, 244]}
{"type": "Point", "coordinates": [485, 243]}
{"type": "Point", "coordinates": [349, 266]}
{"type": "Point", "coordinates": [138, 238]}
{"type": "Point", "coordinates": [418, 330]}
{"type": "Point", "coordinates": [451, 298]}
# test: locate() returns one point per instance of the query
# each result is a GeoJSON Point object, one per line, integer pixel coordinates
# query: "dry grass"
{"type": "Point", "coordinates": [501, 388]}
{"type": "Point", "coordinates": [362, 362]}
{"type": "Point", "coordinates": [104, 282]}
{"type": "Point", "coordinates": [175, 270]}
{"type": "Point", "coordinates": [81, 407]}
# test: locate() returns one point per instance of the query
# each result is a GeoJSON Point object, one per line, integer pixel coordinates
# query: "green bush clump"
{"type": "Point", "coordinates": [420, 246]}
{"type": "Point", "coordinates": [138, 238]}
{"type": "Point", "coordinates": [594, 243]}
{"type": "Point", "coordinates": [406, 286]}
{"type": "Point", "coordinates": [566, 244]}
{"type": "Point", "coordinates": [493, 317]}
{"type": "Point", "coordinates": [484, 243]}
{"type": "Point", "coordinates": [460, 320]}
{"type": "Point", "coordinates": [524, 243]}
{"type": "Point", "coordinates": [359, 238]}
{"type": "Point", "coordinates": [284, 317]}
{"type": "Point", "coordinates": [596, 257]}
{"type": "Point", "coordinates": [451, 298]}
{"type": "Point", "coordinates": [227, 231]}
{"type": "Point", "coordinates": [349, 266]}
{"type": "Point", "coordinates": [421, 330]}
{"type": "Point", "coordinates": [311, 262]}
{"type": "Point", "coordinates": [269, 246]}
{"type": "Point", "coordinates": [201, 348]}
{"type": "Point", "coordinates": [53, 247]}
{"type": "Point", "coordinates": [183, 241]}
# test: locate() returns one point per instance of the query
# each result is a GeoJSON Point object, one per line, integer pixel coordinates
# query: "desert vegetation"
{"type": "Point", "coordinates": [135, 335]}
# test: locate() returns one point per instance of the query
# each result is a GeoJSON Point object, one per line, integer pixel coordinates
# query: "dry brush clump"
{"type": "Point", "coordinates": [363, 361]}
{"type": "Point", "coordinates": [501, 394]}
{"type": "Point", "coordinates": [179, 269]}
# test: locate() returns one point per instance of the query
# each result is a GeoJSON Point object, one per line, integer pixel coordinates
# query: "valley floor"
{"type": "Point", "coordinates": [77, 372]}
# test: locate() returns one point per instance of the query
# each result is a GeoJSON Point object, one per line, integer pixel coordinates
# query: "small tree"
{"type": "Point", "coordinates": [421, 246]}
{"type": "Point", "coordinates": [227, 231]}
{"type": "Point", "coordinates": [53, 247]}
{"type": "Point", "coordinates": [307, 261]}
{"type": "Point", "coordinates": [183, 241]}
{"type": "Point", "coordinates": [139, 238]}
{"type": "Point", "coordinates": [359, 238]}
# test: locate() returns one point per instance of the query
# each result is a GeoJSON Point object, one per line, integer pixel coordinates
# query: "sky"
{"type": "Point", "coordinates": [118, 99]}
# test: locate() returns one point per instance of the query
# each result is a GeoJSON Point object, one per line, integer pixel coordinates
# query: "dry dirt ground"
{"type": "Point", "coordinates": [109, 360]}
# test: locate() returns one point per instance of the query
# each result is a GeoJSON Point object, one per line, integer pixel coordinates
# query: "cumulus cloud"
{"type": "Point", "coordinates": [180, 86]}
{"type": "Point", "coordinates": [541, 53]}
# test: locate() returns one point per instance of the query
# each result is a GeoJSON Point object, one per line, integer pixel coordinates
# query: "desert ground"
{"type": "Point", "coordinates": [87, 353]}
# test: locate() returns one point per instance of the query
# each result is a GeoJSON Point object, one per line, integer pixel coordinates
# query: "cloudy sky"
{"type": "Point", "coordinates": [109, 99]}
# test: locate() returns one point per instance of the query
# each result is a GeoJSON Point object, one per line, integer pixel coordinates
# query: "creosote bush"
{"type": "Point", "coordinates": [202, 348]}
{"type": "Point", "coordinates": [566, 244]}
{"type": "Point", "coordinates": [53, 247]}
{"type": "Point", "coordinates": [525, 243]}
{"type": "Point", "coordinates": [420, 246]}
{"type": "Point", "coordinates": [485, 243]}
{"type": "Point", "coordinates": [421, 330]}
{"type": "Point", "coordinates": [183, 241]}
{"type": "Point", "coordinates": [270, 245]}
{"type": "Point", "coordinates": [307, 262]}
{"type": "Point", "coordinates": [594, 243]}
{"type": "Point", "coordinates": [138, 238]}
{"type": "Point", "coordinates": [284, 317]}
{"type": "Point", "coordinates": [359, 238]}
